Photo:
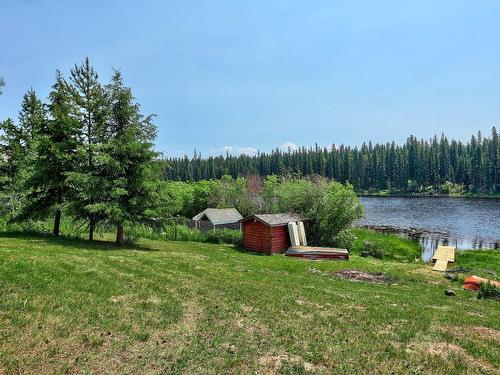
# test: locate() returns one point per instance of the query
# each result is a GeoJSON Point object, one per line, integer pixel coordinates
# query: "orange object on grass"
{"type": "Point", "coordinates": [474, 282]}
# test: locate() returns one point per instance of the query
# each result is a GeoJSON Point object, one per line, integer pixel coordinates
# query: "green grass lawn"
{"type": "Point", "coordinates": [480, 263]}
{"type": "Point", "coordinates": [394, 247]}
{"type": "Point", "coordinates": [70, 306]}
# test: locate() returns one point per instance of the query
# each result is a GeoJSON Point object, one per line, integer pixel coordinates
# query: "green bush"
{"type": "Point", "coordinates": [183, 233]}
{"type": "Point", "coordinates": [345, 239]}
{"type": "Point", "coordinates": [334, 212]}
{"type": "Point", "coordinates": [44, 227]}
{"type": "Point", "coordinates": [373, 249]}
{"type": "Point", "coordinates": [488, 290]}
{"type": "Point", "coordinates": [451, 189]}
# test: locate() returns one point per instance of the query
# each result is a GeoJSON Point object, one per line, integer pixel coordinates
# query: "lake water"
{"type": "Point", "coordinates": [464, 222]}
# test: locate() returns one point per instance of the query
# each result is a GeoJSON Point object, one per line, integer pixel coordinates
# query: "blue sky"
{"type": "Point", "coordinates": [248, 75]}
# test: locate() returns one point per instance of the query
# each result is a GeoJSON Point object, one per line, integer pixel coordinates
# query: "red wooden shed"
{"type": "Point", "coordinates": [267, 233]}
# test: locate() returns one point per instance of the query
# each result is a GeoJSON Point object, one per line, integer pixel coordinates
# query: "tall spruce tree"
{"type": "Point", "coordinates": [495, 160]}
{"type": "Point", "coordinates": [91, 111]}
{"type": "Point", "coordinates": [11, 156]}
{"type": "Point", "coordinates": [54, 157]}
{"type": "Point", "coordinates": [125, 164]}
{"type": "Point", "coordinates": [31, 118]}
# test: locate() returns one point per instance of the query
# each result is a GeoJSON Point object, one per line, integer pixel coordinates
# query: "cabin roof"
{"type": "Point", "coordinates": [219, 216]}
{"type": "Point", "coordinates": [274, 220]}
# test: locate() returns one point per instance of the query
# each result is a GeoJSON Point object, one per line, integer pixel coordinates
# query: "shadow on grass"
{"type": "Point", "coordinates": [69, 241]}
{"type": "Point", "coordinates": [248, 252]}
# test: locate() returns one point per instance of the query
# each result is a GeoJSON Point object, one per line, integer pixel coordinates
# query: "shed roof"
{"type": "Point", "coordinates": [219, 216]}
{"type": "Point", "coordinates": [274, 220]}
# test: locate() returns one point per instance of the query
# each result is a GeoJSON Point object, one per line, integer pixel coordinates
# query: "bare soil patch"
{"type": "Point", "coordinates": [362, 276]}
{"type": "Point", "coordinates": [446, 351]}
{"type": "Point", "coordinates": [271, 364]}
{"type": "Point", "coordinates": [474, 332]}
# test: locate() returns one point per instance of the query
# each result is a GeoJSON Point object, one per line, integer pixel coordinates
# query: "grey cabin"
{"type": "Point", "coordinates": [217, 218]}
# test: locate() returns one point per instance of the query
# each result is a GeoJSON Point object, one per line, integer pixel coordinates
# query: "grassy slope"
{"type": "Point", "coordinates": [484, 263]}
{"type": "Point", "coordinates": [394, 247]}
{"type": "Point", "coordinates": [74, 307]}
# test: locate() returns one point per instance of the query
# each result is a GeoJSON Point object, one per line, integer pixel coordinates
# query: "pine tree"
{"type": "Point", "coordinates": [91, 111]}
{"type": "Point", "coordinates": [125, 165]}
{"type": "Point", "coordinates": [31, 118]}
{"type": "Point", "coordinates": [55, 147]}
{"type": "Point", "coordinates": [11, 156]}
{"type": "Point", "coordinates": [495, 160]}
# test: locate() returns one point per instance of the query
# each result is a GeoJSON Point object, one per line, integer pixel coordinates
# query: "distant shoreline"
{"type": "Point", "coordinates": [429, 195]}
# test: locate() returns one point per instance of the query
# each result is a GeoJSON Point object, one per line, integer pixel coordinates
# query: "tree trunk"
{"type": "Point", "coordinates": [120, 240]}
{"type": "Point", "coordinates": [91, 229]}
{"type": "Point", "coordinates": [57, 223]}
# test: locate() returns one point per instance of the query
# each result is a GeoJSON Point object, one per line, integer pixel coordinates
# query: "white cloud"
{"type": "Point", "coordinates": [289, 146]}
{"type": "Point", "coordinates": [236, 150]}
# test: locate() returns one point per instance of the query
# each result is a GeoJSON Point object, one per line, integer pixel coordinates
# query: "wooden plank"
{"type": "Point", "coordinates": [294, 235]}
{"type": "Point", "coordinates": [318, 249]}
{"type": "Point", "coordinates": [440, 265]}
{"type": "Point", "coordinates": [302, 234]}
{"type": "Point", "coordinates": [446, 253]}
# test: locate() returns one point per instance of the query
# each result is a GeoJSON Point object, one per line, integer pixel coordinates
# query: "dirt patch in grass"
{"type": "Point", "coordinates": [272, 363]}
{"type": "Point", "coordinates": [362, 276]}
{"type": "Point", "coordinates": [448, 351]}
{"type": "Point", "coordinates": [251, 327]}
{"type": "Point", "coordinates": [444, 349]}
{"type": "Point", "coordinates": [474, 333]}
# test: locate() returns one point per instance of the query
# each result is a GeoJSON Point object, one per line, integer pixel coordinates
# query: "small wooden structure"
{"type": "Point", "coordinates": [442, 256]}
{"type": "Point", "coordinates": [217, 218]}
{"type": "Point", "coordinates": [268, 233]}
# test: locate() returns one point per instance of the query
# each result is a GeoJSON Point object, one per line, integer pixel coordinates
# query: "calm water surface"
{"type": "Point", "coordinates": [464, 222]}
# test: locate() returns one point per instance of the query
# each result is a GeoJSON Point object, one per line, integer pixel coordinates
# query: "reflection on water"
{"type": "Point", "coordinates": [430, 242]}
{"type": "Point", "coordinates": [461, 222]}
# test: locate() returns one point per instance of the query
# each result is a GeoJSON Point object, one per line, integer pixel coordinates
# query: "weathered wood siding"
{"type": "Point", "coordinates": [256, 236]}
{"type": "Point", "coordinates": [280, 240]}
{"type": "Point", "coordinates": [263, 238]}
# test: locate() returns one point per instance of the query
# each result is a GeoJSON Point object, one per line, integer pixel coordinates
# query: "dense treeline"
{"type": "Point", "coordinates": [414, 166]}
{"type": "Point", "coordinates": [86, 152]}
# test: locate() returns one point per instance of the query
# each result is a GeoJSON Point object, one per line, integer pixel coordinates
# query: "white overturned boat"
{"type": "Point", "coordinates": [310, 252]}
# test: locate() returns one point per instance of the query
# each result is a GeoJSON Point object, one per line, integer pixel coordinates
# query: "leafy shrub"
{"type": "Point", "coordinates": [451, 188]}
{"type": "Point", "coordinates": [345, 239]}
{"type": "Point", "coordinates": [373, 249]}
{"type": "Point", "coordinates": [488, 290]}
{"type": "Point", "coordinates": [412, 186]}
{"type": "Point", "coordinates": [334, 212]}
{"type": "Point", "coordinates": [223, 236]}
{"type": "Point", "coordinates": [44, 227]}
{"type": "Point", "coordinates": [184, 233]}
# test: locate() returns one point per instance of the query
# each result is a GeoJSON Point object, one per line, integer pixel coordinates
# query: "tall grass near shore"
{"type": "Point", "coordinates": [171, 232]}
{"type": "Point", "coordinates": [390, 246]}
